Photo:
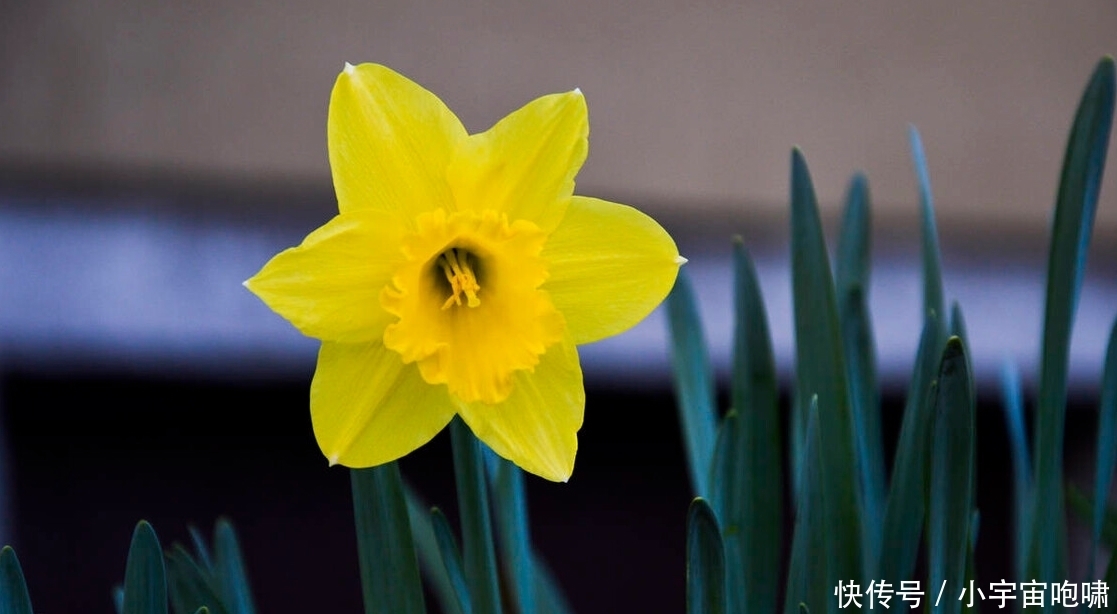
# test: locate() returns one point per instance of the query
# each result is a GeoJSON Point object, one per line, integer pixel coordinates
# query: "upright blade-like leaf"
{"type": "Point", "coordinates": [810, 550]}
{"type": "Point", "coordinates": [190, 586]}
{"type": "Point", "coordinates": [821, 371]}
{"type": "Point", "coordinates": [231, 572]}
{"type": "Point", "coordinates": [1111, 572]}
{"type": "Point", "coordinates": [750, 500]}
{"type": "Point", "coordinates": [13, 588]}
{"type": "Point", "coordinates": [855, 241]}
{"type": "Point", "coordinates": [145, 577]}
{"type": "Point", "coordinates": [547, 591]}
{"type": "Point", "coordinates": [705, 569]}
{"type": "Point", "coordinates": [1013, 400]}
{"type": "Point", "coordinates": [510, 509]}
{"type": "Point", "coordinates": [548, 595]}
{"type": "Point", "coordinates": [451, 558]}
{"type": "Point", "coordinates": [205, 559]}
{"type": "Point", "coordinates": [971, 573]}
{"type": "Point", "coordinates": [1107, 443]}
{"type": "Point", "coordinates": [958, 329]}
{"type": "Point", "coordinates": [385, 549]}
{"type": "Point", "coordinates": [478, 551]}
{"type": "Point", "coordinates": [728, 484]}
{"type": "Point", "coordinates": [430, 558]}
{"type": "Point", "coordinates": [1075, 205]}
{"type": "Point", "coordinates": [932, 257]}
{"type": "Point", "coordinates": [905, 509]}
{"type": "Point", "coordinates": [1082, 507]}
{"type": "Point", "coordinates": [694, 382]}
{"type": "Point", "coordinates": [950, 501]}
{"type": "Point", "coordinates": [860, 355]}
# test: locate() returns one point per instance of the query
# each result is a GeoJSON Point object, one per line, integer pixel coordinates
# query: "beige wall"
{"type": "Point", "coordinates": [695, 101]}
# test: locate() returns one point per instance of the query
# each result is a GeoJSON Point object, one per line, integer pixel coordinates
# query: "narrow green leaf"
{"type": "Point", "coordinates": [190, 586]}
{"type": "Point", "coordinates": [821, 371]}
{"type": "Point", "coordinates": [950, 501]}
{"type": "Point", "coordinates": [145, 577]}
{"type": "Point", "coordinates": [385, 549]}
{"type": "Point", "coordinates": [727, 483]}
{"type": "Point", "coordinates": [854, 248]}
{"type": "Point", "coordinates": [513, 535]}
{"type": "Point", "coordinates": [932, 257]}
{"type": "Point", "coordinates": [430, 558]}
{"type": "Point", "coordinates": [549, 596]}
{"type": "Point", "coordinates": [13, 588]}
{"type": "Point", "coordinates": [1111, 575]}
{"type": "Point", "coordinates": [1107, 443]}
{"type": "Point", "coordinates": [451, 558]}
{"type": "Point", "coordinates": [905, 509]}
{"type": "Point", "coordinates": [1013, 401]}
{"type": "Point", "coordinates": [749, 500]}
{"type": "Point", "coordinates": [971, 572]}
{"type": "Point", "coordinates": [478, 551]}
{"type": "Point", "coordinates": [1082, 506]}
{"type": "Point", "coordinates": [694, 381]}
{"type": "Point", "coordinates": [796, 447]}
{"type": "Point", "coordinates": [232, 576]}
{"type": "Point", "coordinates": [810, 551]}
{"type": "Point", "coordinates": [1075, 206]}
{"type": "Point", "coordinates": [200, 546]}
{"type": "Point", "coordinates": [958, 329]}
{"type": "Point", "coordinates": [705, 569]}
{"type": "Point", "coordinates": [855, 241]}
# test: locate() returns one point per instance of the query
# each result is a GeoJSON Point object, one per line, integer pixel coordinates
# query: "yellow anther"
{"type": "Point", "coordinates": [461, 277]}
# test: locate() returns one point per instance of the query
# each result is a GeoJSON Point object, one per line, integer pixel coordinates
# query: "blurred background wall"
{"type": "Point", "coordinates": [694, 108]}
{"type": "Point", "coordinates": [693, 104]}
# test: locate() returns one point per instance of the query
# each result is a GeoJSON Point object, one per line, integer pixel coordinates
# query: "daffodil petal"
{"type": "Point", "coordinates": [329, 286]}
{"type": "Point", "coordinates": [525, 165]}
{"type": "Point", "coordinates": [390, 142]}
{"type": "Point", "coordinates": [610, 266]}
{"type": "Point", "coordinates": [368, 408]}
{"type": "Point", "coordinates": [537, 426]}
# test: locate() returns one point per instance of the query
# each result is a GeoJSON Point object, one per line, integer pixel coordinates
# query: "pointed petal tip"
{"type": "Point", "coordinates": [679, 260]}
{"type": "Point", "coordinates": [577, 91]}
{"type": "Point", "coordinates": [349, 68]}
{"type": "Point", "coordinates": [332, 460]}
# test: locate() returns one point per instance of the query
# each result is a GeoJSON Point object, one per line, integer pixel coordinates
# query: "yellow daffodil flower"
{"type": "Point", "coordinates": [459, 275]}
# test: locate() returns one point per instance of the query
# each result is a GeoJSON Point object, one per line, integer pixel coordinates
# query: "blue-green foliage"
{"type": "Point", "coordinates": [13, 588]}
{"type": "Point", "coordinates": [1075, 205]}
{"type": "Point", "coordinates": [705, 561]}
{"type": "Point", "coordinates": [851, 524]}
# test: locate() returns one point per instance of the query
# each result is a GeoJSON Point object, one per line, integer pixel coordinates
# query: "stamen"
{"type": "Point", "coordinates": [460, 274]}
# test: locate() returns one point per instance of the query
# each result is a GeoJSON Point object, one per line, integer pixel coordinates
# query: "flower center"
{"type": "Point", "coordinates": [458, 265]}
{"type": "Point", "coordinates": [442, 326]}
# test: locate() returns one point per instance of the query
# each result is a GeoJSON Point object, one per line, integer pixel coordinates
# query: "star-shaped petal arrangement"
{"type": "Point", "coordinates": [459, 275]}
